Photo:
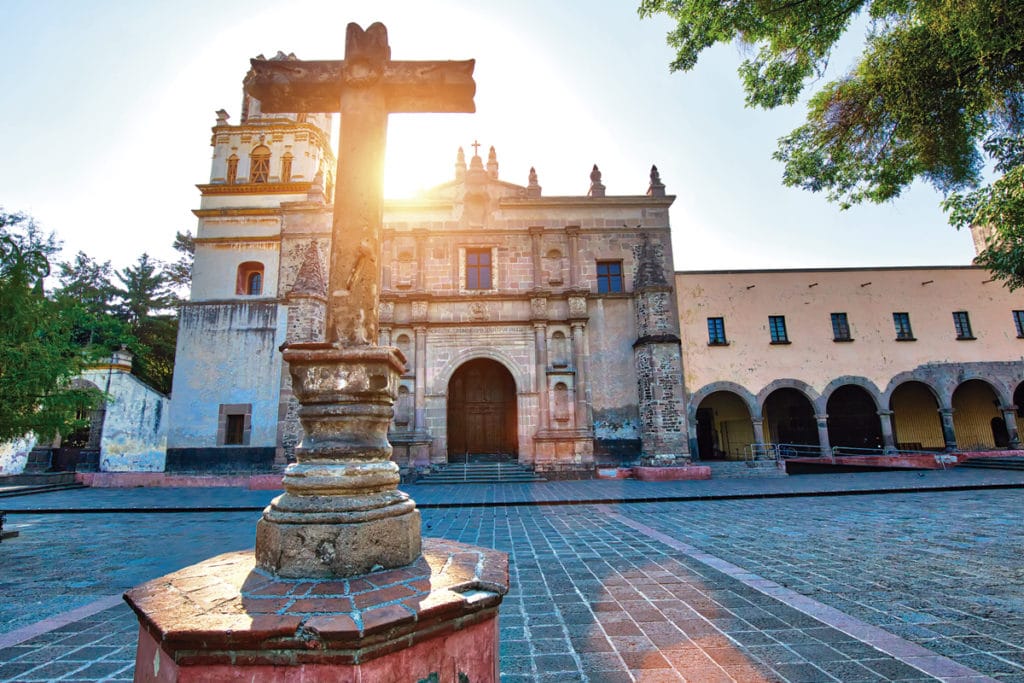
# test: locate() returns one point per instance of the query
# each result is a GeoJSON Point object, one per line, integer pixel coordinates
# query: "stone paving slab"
{"type": "Point", "coordinates": [573, 492]}
{"type": "Point", "coordinates": [594, 599]}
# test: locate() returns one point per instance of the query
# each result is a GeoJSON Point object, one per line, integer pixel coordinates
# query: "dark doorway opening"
{"type": "Point", "coordinates": [790, 418]}
{"type": "Point", "coordinates": [853, 420]}
{"type": "Point", "coordinates": [482, 416]}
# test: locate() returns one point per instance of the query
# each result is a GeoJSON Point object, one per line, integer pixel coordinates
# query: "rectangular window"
{"type": "Point", "coordinates": [777, 328]}
{"type": "Point", "coordinates": [478, 269]}
{"type": "Point", "coordinates": [234, 430]}
{"type": "Point", "coordinates": [234, 424]}
{"type": "Point", "coordinates": [902, 323]}
{"type": "Point", "coordinates": [609, 277]}
{"type": "Point", "coordinates": [840, 327]}
{"type": "Point", "coordinates": [1018, 321]}
{"type": "Point", "coordinates": [716, 332]}
{"type": "Point", "coordinates": [962, 324]}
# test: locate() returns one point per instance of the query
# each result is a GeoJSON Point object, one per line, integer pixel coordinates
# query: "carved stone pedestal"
{"type": "Point", "coordinates": [341, 513]}
{"type": "Point", "coordinates": [226, 619]}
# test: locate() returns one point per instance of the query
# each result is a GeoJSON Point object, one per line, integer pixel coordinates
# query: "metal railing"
{"type": "Point", "coordinates": [783, 451]}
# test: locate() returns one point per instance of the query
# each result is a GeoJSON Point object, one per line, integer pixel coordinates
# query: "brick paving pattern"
{"type": "Point", "coordinates": [595, 600]}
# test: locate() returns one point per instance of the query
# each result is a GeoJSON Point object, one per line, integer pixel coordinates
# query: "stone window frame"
{"type": "Point", "coordinates": [231, 176]}
{"type": "Point", "coordinates": [841, 327]}
{"type": "Point", "coordinates": [1018, 322]}
{"type": "Point", "coordinates": [244, 278]}
{"type": "Point", "coordinates": [259, 164]}
{"type": "Point", "coordinates": [608, 280]}
{"type": "Point", "coordinates": [463, 289]}
{"type": "Point", "coordinates": [226, 410]}
{"type": "Point", "coordinates": [901, 321]}
{"type": "Point", "coordinates": [962, 325]}
{"type": "Point", "coordinates": [286, 168]}
{"type": "Point", "coordinates": [777, 329]}
{"type": "Point", "coordinates": [716, 331]}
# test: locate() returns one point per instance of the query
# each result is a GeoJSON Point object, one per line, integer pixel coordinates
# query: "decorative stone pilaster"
{"type": "Point", "coordinates": [540, 340]}
{"type": "Point", "coordinates": [421, 378]}
{"type": "Point", "coordinates": [341, 513]}
{"type": "Point", "coordinates": [584, 419]}
{"type": "Point", "coordinates": [948, 431]}
{"type": "Point", "coordinates": [572, 234]}
{"type": "Point", "coordinates": [538, 265]}
{"type": "Point", "coordinates": [824, 444]}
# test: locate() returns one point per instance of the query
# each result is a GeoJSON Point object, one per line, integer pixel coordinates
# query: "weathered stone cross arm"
{"type": "Point", "coordinates": [406, 86]}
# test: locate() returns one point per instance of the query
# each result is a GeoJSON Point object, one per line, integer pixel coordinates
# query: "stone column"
{"type": "Point", "coordinates": [385, 335]}
{"type": "Point", "coordinates": [1010, 417]}
{"type": "Point", "coordinates": [885, 420]}
{"type": "Point", "coordinates": [579, 363]}
{"type": "Point", "coordinates": [758, 424]}
{"type": "Point", "coordinates": [823, 441]}
{"type": "Point", "coordinates": [540, 340]}
{"type": "Point", "coordinates": [421, 378]}
{"type": "Point", "coordinates": [573, 233]}
{"type": "Point", "coordinates": [948, 432]}
{"type": "Point", "coordinates": [538, 270]}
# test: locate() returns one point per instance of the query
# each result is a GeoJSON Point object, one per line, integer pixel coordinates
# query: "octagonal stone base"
{"type": "Point", "coordinates": [325, 550]}
{"type": "Point", "coordinates": [225, 619]}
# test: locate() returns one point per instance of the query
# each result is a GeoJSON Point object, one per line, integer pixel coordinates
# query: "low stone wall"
{"type": "Point", "coordinates": [127, 480]}
{"type": "Point", "coordinates": [687, 473]}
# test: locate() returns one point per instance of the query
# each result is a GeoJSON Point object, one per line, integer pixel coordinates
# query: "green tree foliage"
{"type": "Point", "coordinates": [937, 92]}
{"type": "Point", "coordinates": [38, 356]}
{"type": "Point", "coordinates": [86, 292]}
{"type": "Point", "coordinates": [179, 273]}
{"type": "Point", "coordinates": [146, 305]}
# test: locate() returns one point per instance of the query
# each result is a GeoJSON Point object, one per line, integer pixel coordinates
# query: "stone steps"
{"type": "Point", "coordinates": [742, 469]}
{"type": "Point", "coordinates": [1016, 463]}
{"type": "Point", "coordinates": [481, 473]}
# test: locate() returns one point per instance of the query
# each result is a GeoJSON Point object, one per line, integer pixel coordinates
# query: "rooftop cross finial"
{"type": "Point", "coordinates": [476, 148]}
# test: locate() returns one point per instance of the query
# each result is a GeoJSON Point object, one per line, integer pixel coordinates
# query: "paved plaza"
{"type": "Point", "coordinates": [659, 582]}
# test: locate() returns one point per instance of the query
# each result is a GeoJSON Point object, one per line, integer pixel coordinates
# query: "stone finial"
{"type": "Point", "coordinates": [310, 280]}
{"type": "Point", "coordinates": [533, 188]}
{"type": "Point", "coordinates": [649, 269]}
{"type": "Point", "coordinates": [460, 166]}
{"type": "Point", "coordinates": [492, 164]}
{"type": "Point", "coordinates": [656, 188]}
{"type": "Point", "coordinates": [222, 117]}
{"type": "Point", "coordinates": [596, 188]}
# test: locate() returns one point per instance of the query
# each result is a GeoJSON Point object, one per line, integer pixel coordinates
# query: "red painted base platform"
{"type": "Point", "coordinates": [226, 620]}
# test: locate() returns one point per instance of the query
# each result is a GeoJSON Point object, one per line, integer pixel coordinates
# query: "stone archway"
{"type": "Point", "coordinates": [975, 407]}
{"type": "Point", "coordinates": [853, 418]}
{"type": "Point", "coordinates": [789, 418]}
{"type": "Point", "coordinates": [915, 417]}
{"type": "Point", "coordinates": [724, 429]}
{"type": "Point", "coordinates": [482, 413]}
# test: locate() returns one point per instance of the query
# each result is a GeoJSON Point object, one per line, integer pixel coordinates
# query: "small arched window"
{"type": "Point", "coordinates": [286, 168]}
{"type": "Point", "coordinates": [232, 173]}
{"type": "Point", "coordinates": [259, 165]}
{"type": "Point", "coordinates": [250, 279]}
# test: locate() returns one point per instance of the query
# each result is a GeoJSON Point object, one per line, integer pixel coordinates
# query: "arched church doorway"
{"type": "Point", "coordinates": [482, 419]}
{"type": "Point", "coordinates": [789, 418]}
{"type": "Point", "coordinates": [853, 418]}
{"type": "Point", "coordinates": [724, 429]}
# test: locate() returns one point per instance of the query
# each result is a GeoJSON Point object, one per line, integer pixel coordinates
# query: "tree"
{"type": "Point", "coordinates": [937, 91]}
{"type": "Point", "coordinates": [179, 273]}
{"type": "Point", "coordinates": [87, 294]}
{"type": "Point", "coordinates": [146, 304]}
{"type": "Point", "coordinates": [37, 355]}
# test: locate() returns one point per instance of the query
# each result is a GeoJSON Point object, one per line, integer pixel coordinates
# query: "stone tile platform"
{"type": "Point", "coordinates": [226, 617]}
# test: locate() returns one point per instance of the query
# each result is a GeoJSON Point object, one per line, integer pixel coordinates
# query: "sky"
{"type": "Point", "coordinates": [107, 109]}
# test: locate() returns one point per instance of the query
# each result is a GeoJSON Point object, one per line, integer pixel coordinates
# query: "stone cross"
{"type": "Point", "coordinates": [364, 88]}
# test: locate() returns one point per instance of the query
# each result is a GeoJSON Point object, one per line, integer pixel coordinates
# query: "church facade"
{"type": "Point", "coordinates": [540, 329]}
{"type": "Point", "coordinates": [554, 330]}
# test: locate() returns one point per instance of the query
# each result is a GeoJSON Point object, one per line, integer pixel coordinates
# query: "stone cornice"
{"type": "Point", "coordinates": [237, 238]}
{"type": "Point", "coordinates": [255, 188]}
{"type": "Point", "coordinates": [578, 201]}
{"type": "Point", "coordinates": [239, 211]}
{"type": "Point", "coordinates": [280, 126]}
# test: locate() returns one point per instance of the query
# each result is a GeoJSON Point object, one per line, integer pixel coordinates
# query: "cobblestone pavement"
{"type": "Point", "coordinates": [596, 597]}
